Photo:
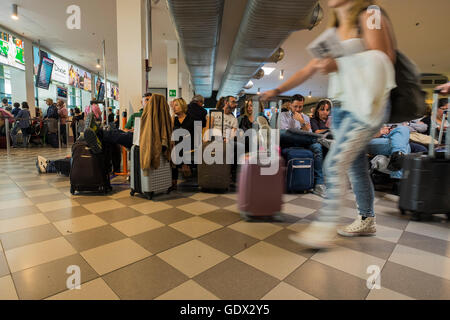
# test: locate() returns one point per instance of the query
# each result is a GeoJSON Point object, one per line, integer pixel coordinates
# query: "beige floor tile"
{"type": "Point", "coordinates": [14, 224]}
{"type": "Point", "coordinates": [150, 207]}
{"type": "Point", "coordinates": [121, 194]}
{"type": "Point", "coordinates": [284, 291]}
{"type": "Point", "coordinates": [189, 290]}
{"type": "Point", "coordinates": [193, 257]}
{"type": "Point", "coordinates": [195, 226]}
{"type": "Point", "coordinates": [6, 181]}
{"type": "Point", "coordinates": [56, 205]}
{"type": "Point", "coordinates": [203, 196]}
{"type": "Point", "coordinates": [38, 253]}
{"type": "Point", "coordinates": [232, 196]}
{"type": "Point", "coordinates": [353, 262]}
{"type": "Point", "coordinates": [7, 289]}
{"type": "Point", "coordinates": [31, 183]}
{"type": "Point", "coordinates": [41, 192]}
{"type": "Point", "coordinates": [424, 261]}
{"type": "Point", "coordinates": [94, 290]}
{"type": "Point", "coordinates": [388, 234]}
{"type": "Point", "coordinates": [289, 197]}
{"type": "Point", "coordinates": [103, 206]}
{"type": "Point", "coordinates": [198, 208]}
{"type": "Point", "coordinates": [312, 196]}
{"type": "Point", "coordinates": [115, 255]}
{"type": "Point", "coordinates": [256, 230]}
{"type": "Point", "coordinates": [134, 226]}
{"type": "Point", "coordinates": [296, 211]}
{"type": "Point", "coordinates": [11, 204]}
{"type": "Point", "coordinates": [233, 208]}
{"type": "Point", "coordinates": [61, 184]}
{"type": "Point", "coordinates": [429, 230]}
{"type": "Point", "coordinates": [270, 259]}
{"type": "Point", "coordinates": [79, 224]}
{"type": "Point", "coordinates": [386, 294]}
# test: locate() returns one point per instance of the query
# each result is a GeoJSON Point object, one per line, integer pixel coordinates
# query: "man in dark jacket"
{"type": "Point", "coordinates": [196, 110]}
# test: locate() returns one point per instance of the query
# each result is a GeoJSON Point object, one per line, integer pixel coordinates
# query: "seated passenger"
{"type": "Point", "coordinates": [247, 117]}
{"type": "Point", "coordinates": [321, 120]}
{"type": "Point", "coordinates": [130, 123]}
{"type": "Point", "coordinates": [392, 141]}
{"type": "Point", "coordinates": [196, 110]}
{"type": "Point", "coordinates": [182, 120]}
{"type": "Point", "coordinates": [296, 119]}
{"type": "Point", "coordinates": [442, 107]}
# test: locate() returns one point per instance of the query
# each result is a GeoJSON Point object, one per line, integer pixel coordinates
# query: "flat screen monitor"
{"type": "Point", "coordinates": [61, 92]}
{"type": "Point", "coordinates": [44, 73]}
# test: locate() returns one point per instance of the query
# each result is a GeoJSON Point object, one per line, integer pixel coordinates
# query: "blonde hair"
{"type": "Point", "coordinates": [355, 11]}
{"type": "Point", "coordinates": [182, 104]}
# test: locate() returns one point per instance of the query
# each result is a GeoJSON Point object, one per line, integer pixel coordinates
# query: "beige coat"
{"type": "Point", "coordinates": [156, 132]}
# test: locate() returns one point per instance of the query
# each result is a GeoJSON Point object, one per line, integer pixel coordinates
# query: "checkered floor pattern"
{"type": "Point", "coordinates": [191, 245]}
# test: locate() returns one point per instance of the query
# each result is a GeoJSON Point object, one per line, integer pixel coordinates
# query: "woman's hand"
{"type": "Point", "coordinates": [269, 94]}
{"type": "Point", "coordinates": [327, 65]}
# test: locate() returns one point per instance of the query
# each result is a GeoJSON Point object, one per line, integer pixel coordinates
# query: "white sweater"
{"type": "Point", "coordinates": [363, 84]}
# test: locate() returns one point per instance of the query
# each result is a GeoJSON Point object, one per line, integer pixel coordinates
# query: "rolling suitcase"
{"type": "Point", "coordinates": [88, 170]}
{"type": "Point", "coordinates": [300, 170]}
{"type": "Point", "coordinates": [52, 140]}
{"type": "Point", "coordinates": [425, 187]}
{"type": "Point", "coordinates": [158, 181]}
{"type": "Point", "coordinates": [260, 195]}
{"type": "Point", "coordinates": [214, 176]}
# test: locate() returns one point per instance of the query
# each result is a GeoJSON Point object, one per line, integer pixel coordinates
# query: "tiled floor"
{"type": "Point", "coordinates": [192, 245]}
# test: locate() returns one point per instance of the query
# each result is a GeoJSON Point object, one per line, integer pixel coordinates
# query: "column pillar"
{"type": "Point", "coordinates": [173, 86]}
{"type": "Point", "coordinates": [186, 91]}
{"type": "Point", "coordinates": [29, 76]}
{"type": "Point", "coordinates": [131, 33]}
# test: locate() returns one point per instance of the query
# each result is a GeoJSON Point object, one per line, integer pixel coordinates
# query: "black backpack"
{"type": "Point", "coordinates": [407, 99]}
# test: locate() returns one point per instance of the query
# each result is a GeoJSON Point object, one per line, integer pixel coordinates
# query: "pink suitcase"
{"type": "Point", "coordinates": [260, 197]}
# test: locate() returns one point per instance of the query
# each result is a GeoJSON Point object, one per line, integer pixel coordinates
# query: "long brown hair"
{"type": "Point", "coordinates": [247, 103]}
{"type": "Point", "coordinates": [355, 11]}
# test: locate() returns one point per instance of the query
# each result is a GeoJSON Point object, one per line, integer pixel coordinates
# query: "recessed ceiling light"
{"type": "Point", "coordinates": [15, 14]}
{"type": "Point", "coordinates": [268, 70]}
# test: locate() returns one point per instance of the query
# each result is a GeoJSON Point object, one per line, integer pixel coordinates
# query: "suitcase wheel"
{"type": "Point", "coordinates": [132, 193]}
{"type": "Point", "coordinates": [149, 195]}
{"type": "Point", "coordinates": [72, 189]}
{"type": "Point", "coordinates": [403, 212]}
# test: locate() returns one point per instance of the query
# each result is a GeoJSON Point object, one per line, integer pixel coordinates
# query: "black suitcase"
{"type": "Point", "coordinates": [88, 171]}
{"type": "Point", "coordinates": [52, 140]}
{"type": "Point", "coordinates": [425, 187]}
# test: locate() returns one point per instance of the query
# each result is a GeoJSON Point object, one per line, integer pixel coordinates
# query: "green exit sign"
{"type": "Point", "coordinates": [172, 93]}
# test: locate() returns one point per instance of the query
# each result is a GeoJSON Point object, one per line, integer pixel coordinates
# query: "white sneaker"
{"type": "Point", "coordinates": [360, 227]}
{"type": "Point", "coordinates": [42, 164]}
{"type": "Point", "coordinates": [320, 190]}
{"type": "Point", "coordinates": [318, 235]}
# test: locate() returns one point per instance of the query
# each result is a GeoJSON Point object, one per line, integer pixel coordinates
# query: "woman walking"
{"type": "Point", "coordinates": [360, 84]}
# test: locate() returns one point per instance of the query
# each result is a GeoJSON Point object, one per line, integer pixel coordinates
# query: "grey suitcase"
{"type": "Point", "coordinates": [158, 181]}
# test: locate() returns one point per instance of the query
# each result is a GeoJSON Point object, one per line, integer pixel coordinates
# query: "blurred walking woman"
{"type": "Point", "coordinates": [360, 84]}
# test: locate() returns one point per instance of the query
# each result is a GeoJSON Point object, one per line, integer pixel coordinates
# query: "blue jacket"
{"type": "Point", "coordinates": [15, 111]}
{"type": "Point", "coordinates": [24, 114]}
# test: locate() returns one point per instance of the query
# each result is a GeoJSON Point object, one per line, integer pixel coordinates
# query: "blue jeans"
{"type": "Point", "coordinates": [396, 141]}
{"type": "Point", "coordinates": [348, 155]}
{"type": "Point", "coordinates": [290, 140]}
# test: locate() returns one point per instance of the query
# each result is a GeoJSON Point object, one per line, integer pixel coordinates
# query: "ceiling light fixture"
{"type": "Point", "coordinates": [98, 64]}
{"type": "Point", "coordinates": [15, 14]}
{"type": "Point", "coordinates": [259, 91]}
{"type": "Point", "coordinates": [268, 70]}
{"type": "Point", "coordinates": [310, 95]}
{"type": "Point", "coordinates": [249, 85]}
{"type": "Point", "coordinates": [281, 74]}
